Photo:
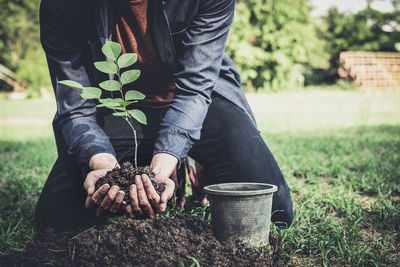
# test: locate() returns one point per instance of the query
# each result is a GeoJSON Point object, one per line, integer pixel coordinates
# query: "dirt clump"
{"type": "Point", "coordinates": [124, 177]}
{"type": "Point", "coordinates": [178, 240]}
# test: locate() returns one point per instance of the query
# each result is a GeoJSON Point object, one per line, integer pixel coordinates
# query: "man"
{"type": "Point", "coordinates": [195, 106]}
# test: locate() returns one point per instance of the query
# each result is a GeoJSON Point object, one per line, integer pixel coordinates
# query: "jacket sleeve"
{"type": "Point", "coordinates": [63, 36]}
{"type": "Point", "coordinates": [198, 66]}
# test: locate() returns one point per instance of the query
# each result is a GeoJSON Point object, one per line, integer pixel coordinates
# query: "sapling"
{"type": "Point", "coordinates": [116, 62]}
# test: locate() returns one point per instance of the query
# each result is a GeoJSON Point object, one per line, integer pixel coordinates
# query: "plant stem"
{"type": "Point", "coordinates": [128, 118]}
{"type": "Point", "coordinates": [119, 79]}
{"type": "Point", "coordinates": [134, 133]}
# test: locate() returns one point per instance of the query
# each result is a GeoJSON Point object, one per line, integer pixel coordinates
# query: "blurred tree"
{"type": "Point", "coordinates": [20, 44]}
{"type": "Point", "coordinates": [273, 43]}
{"type": "Point", "coordinates": [367, 30]}
{"type": "Point", "coordinates": [396, 4]}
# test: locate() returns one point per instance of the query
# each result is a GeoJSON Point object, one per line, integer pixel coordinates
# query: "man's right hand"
{"type": "Point", "coordinates": [104, 198]}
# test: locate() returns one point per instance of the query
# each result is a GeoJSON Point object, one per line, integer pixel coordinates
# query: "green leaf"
{"type": "Point", "coordinates": [106, 67]}
{"type": "Point", "coordinates": [72, 84]}
{"type": "Point", "coordinates": [127, 103]}
{"type": "Point", "coordinates": [134, 95]}
{"type": "Point", "coordinates": [121, 114]}
{"type": "Point", "coordinates": [105, 100]}
{"type": "Point", "coordinates": [111, 50]}
{"type": "Point", "coordinates": [127, 60]}
{"type": "Point", "coordinates": [111, 85]}
{"type": "Point", "coordinates": [138, 115]}
{"type": "Point", "coordinates": [115, 103]}
{"type": "Point", "coordinates": [108, 100]}
{"type": "Point", "coordinates": [129, 76]}
{"type": "Point", "coordinates": [109, 105]}
{"type": "Point", "coordinates": [119, 108]}
{"type": "Point", "coordinates": [91, 93]}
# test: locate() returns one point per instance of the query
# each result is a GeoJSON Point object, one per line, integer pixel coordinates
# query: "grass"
{"type": "Point", "coordinates": [339, 151]}
{"type": "Point", "coordinates": [346, 191]}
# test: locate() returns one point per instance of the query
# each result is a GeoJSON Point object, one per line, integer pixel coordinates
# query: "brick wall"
{"type": "Point", "coordinates": [374, 70]}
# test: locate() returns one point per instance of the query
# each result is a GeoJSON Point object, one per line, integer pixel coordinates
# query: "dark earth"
{"type": "Point", "coordinates": [124, 177]}
{"type": "Point", "coordinates": [179, 240]}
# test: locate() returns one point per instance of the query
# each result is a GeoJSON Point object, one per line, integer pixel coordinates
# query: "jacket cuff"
{"type": "Point", "coordinates": [176, 143]}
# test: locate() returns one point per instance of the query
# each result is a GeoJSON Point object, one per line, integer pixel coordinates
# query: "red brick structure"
{"type": "Point", "coordinates": [372, 70]}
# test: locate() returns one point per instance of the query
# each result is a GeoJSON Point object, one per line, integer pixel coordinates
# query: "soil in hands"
{"type": "Point", "coordinates": [165, 241]}
{"type": "Point", "coordinates": [124, 177]}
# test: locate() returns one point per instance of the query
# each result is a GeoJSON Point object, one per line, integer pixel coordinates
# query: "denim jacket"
{"type": "Point", "coordinates": [190, 36]}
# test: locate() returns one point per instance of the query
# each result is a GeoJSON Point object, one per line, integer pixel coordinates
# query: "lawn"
{"type": "Point", "coordinates": [339, 150]}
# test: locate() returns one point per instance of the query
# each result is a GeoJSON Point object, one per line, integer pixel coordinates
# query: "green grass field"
{"type": "Point", "coordinates": [340, 153]}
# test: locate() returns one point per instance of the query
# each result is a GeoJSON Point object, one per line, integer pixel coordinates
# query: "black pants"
{"type": "Point", "coordinates": [231, 149]}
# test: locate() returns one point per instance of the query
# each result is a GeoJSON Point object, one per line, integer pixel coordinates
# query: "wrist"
{"type": "Point", "coordinates": [103, 161]}
{"type": "Point", "coordinates": [163, 164]}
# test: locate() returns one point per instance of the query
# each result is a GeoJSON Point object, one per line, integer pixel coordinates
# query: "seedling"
{"type": "Point", "coordinates": [114, 65]}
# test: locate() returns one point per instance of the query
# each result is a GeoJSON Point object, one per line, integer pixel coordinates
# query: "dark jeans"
{"type": "Point", "coordinates": [231, 149]}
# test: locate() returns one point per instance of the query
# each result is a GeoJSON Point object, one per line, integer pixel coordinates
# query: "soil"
{"type": "Point", "coordinates": [124, 177]}
{"type": "Point", "coordinates": [165, 241]}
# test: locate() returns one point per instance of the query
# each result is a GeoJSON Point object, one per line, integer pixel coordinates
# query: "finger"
{"type": "Point", "coordinates": [142, 197]}
{"type": "Point", "coordinates": [107, 200]}
{"type": "Point", "coordinates": [92, 201]}
{"type": "Point", "coordinates": [91, 179]}
{"type": "Point", "coordinates": [89, 184]}
{"type": "Point", "coordinates": [129, 210]}
{"type": "Point", "coordinates": [117, 201]}
{"type": "Point", "coordinates": [151, 192]}
{"type": "Point", "coordinates": [166, 195]}
{"type": "Point", "coordinates": [134, 200]}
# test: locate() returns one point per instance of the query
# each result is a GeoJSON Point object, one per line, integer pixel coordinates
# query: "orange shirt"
{"type": "Point", "coordinates": [133, 33]}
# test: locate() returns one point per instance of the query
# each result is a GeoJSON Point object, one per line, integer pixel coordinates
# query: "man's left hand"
{"type": "Point", "coordinates": [144, 199]}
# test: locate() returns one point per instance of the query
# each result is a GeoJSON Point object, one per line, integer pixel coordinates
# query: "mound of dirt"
{"type": "Point", "coordinates": [124, 177]}
{"type": "Point", "coordinates": [174, 241]}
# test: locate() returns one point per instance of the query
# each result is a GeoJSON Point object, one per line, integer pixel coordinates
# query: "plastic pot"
{"type": "Point", "coordinates": [241, 212]}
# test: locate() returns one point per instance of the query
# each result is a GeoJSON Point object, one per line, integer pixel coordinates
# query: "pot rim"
{"type": "Point", "coordinates": [216, 189]}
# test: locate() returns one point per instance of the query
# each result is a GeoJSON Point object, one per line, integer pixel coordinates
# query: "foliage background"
{"type": "Point", "coordinates": [276, 44]}
{"type": "Point", "coordinates": [20, 46]}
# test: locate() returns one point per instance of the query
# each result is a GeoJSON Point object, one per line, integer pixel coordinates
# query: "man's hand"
{"type": "Point", "coordinates": [144, 199]}
{"type": "Point", "coordinates": [105, 198]}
